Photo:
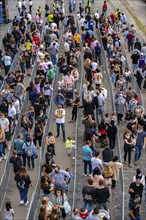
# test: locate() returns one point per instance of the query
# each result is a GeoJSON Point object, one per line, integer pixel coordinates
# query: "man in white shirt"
{"type": "Point", "coordinates": [19, 6]}
{"type": "Point", "coordinates": [96, 16]}
{"type": "Point", "coordinates": [4, 122]}
{"type": "Point", "coordinates": [66, 48]}
{"type": "Point", "coordinates": [96, 162]}
{"type": "Point", "coordinates": [7, 61]}
{"type": "Point", "coordinates": [17, 105]}
{"type": "Point", "coordinates": [82, 20]}
{"type": "Point", "coordinates": [11, 116]}
{"type": "Point", "coordinates": [60, 121]}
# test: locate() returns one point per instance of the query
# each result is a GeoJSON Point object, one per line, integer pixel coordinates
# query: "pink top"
{"type": "Point", "coordinates": [96, 179]}
{"type": "Point", "coordinates": [37, 86]}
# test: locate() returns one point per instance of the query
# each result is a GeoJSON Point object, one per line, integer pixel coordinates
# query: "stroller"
{"type": "Point", "coordinates": [69, 95]}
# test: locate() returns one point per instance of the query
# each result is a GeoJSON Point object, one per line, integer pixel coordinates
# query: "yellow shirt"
{"type": "Point", "coordinates": [77, 38]}
{"type": "Point", "coordinates": [69, 143]}
{"type": "Point", "coordinates": [28, 46]}
{"type": "Point", "coordinates": [50, 18]}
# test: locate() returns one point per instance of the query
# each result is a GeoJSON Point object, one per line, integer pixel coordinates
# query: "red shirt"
{"type": "Point", "coordinates": [113, 16]}
{"type": "Point", "coordinates": [83, 215]}
{"type": "Point", "coordinates": [36, 39]}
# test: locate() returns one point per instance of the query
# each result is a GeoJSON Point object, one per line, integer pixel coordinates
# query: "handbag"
{"type": "Point", "coordinates": [35, 154]}
{"type": "Point", "coordinates": [67, 207]}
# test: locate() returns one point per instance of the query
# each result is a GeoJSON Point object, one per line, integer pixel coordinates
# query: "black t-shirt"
{"type": "Point", "coordinates": [137, 189]}
{"type": "Point", "coordinates": [101, 195]}
{"type": "Point", "coordinates": [135, 58]}
{"type": "Point", "coordinates": [135, 207]}
{"type": "Point", "coordinates": [88, 193]}
{"type": "Point", "coordinates": [77, 100]}
{"type": "Point", "coordinates": [22, 182]}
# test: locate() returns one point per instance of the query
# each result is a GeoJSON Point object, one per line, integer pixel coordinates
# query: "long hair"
{"type": "Point", "coordinates": [22, 172]}
{"type": "Point", "coordinates": [88, 98]}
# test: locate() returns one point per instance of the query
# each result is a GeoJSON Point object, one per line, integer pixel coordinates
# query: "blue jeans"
{"type": "Point", "coordinates": [87, 163]}
{"type": "Point", "coordinates": [87, 206]}
{"type": "Point", "coordinates": [54, 59]}
{"type": "Point", "coordinates": [138, 152]}
{"type": "Point", "coordinates": [32, 161]}
{"type": "Point", "coordinates": [23, 194]}
{"type": "Point", "coordinates": [63, 129]}
{"type": "Point", "coordinates": [137, 218]}
{"type": "Point", "coordinates": [1, 149]}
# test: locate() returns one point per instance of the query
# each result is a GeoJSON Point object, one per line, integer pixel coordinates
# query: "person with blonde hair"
{"type": "Point", "coordinates": [107, 174]}
{"type": "Point", "coordinates": [88, 106]}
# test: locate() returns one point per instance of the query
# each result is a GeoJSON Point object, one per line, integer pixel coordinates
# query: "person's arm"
{"type": "Point", "coordinates": [67, 176]}
{"type": "Point", "coordinates": [46, 140]}
{"type": "Point", "coordinates": [108, 193]}
{"type": "Point", "coordinates": [145, 142]}
{"type": "Point", "coordinates": [131, 214]}
{"type": "Point", "coordinates": [24, 90]}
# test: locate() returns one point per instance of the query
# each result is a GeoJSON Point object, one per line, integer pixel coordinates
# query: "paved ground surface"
{"type": "Point", "coordinates": [62, 159]}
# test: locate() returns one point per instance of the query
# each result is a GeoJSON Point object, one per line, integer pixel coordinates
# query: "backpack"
{"type": "Point", "coordinates": [29, 150]}
{"type": "Point", "coordinates": [97, 50]}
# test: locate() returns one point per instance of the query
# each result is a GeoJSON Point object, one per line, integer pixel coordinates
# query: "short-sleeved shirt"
{"type": "Point", "coordinates": [135, 207]}
{"type": "Point", "coordinates": [62, 113]}
{"type": "Point", "coordinates": [86, 153]}
{"type": "Point", "coordinates": [140, 138]}
{"type": "Point", "coordinates": [9, 214]}
{"type": "Point", "coordinates": [95, 162]}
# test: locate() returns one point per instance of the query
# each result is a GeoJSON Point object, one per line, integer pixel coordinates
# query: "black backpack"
{"type": "Point", "coordinates": [97, 50]}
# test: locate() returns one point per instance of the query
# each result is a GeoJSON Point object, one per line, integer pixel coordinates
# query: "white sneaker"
{"type": "Point", "coordinates": [21, 202]}
{"type": "Point", "coordinates": [5, 157]}
{"type": "Point", "coordinates": [26, 203]}
{"type": "Point", "coordinates": [1, 159]}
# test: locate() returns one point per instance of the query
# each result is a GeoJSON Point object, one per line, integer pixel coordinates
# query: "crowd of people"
{"type": "Point", "coordinates": [101, 168]}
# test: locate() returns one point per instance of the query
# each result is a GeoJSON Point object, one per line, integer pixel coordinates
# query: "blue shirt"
{"type": "Point", "coordinates": [86, 153]}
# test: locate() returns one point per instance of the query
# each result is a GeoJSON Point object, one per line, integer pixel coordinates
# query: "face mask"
{"type": "Point", "coordinates": [128, 136]}
{"type": "Point", "coordinates": [139, 130]}
{"type": "Point", "coordinates": [58, 193]}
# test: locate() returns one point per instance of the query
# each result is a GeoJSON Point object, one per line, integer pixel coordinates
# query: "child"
{"type": "Point", "coordinates": [107, 119]}
{"type": "Point", "coordinates": [69, 145]}
{"type": "Point", "coordinates": [84, 213]}
{"type": "Point", "coordinates": [9, 212]}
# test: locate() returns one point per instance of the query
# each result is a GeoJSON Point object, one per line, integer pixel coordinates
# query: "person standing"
{"type": "Point", "coordinates": [2, 139]}
{"type": "Point", "coordinates": [140, 142]}
{"type": "Point", "coordinates": [96, 162]}
{"type": "Point", "coordinates": [135, 188]}
{"type": "Point", "coordinates": [60, 121]}
{"type": "Point", "coordinates": [18, 143]}
{"type": "Point", "coordinates": [128, 143]}
{"type": "Point", "coordinates": [135, 58]}
{"type": "Point", "coordinates": [23, 182]}
{"type": "Point", "coordinates": [116, 166]}
{"type": "Point", "coordinates": [86, 156]}
{"type": "Point", "coordinates": [7, 62]}
{"type": "Point", "coordinates": [112, 133]}
{"type": "Point", "coordinates": [29, 148]}
{"type": "Point", "coordinates": [107, 154]}
{"type": "Point", "coordinates": [88, 195]}
{"type": "Point", "coordinates": [9, 211]}
{"type": "Point", "coordinates": [76, 103]}
{"type": "Point", "coordinates": [30, 6]}
{"type": "Point", "coordinates": [101, 195]}
{"type": "Point", "coordinates": [135, 208]}
{"type": "Point", "coordinates": [16, 161]}
{"type": "Point", "coordinates": [130, 41]}
{"type": "Point", "coordinates": [120, 107]}
{"type": "Point", "coordinates": [104, 8]}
